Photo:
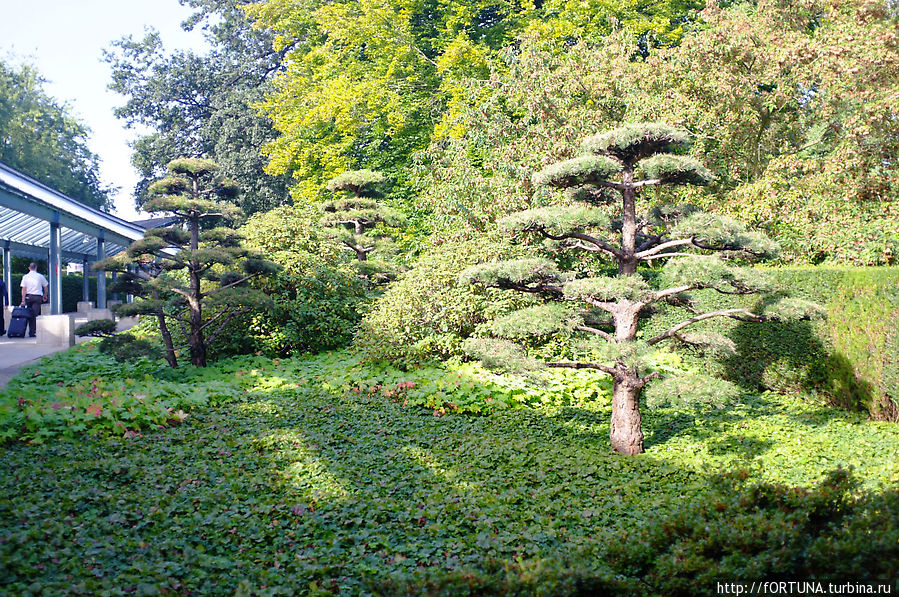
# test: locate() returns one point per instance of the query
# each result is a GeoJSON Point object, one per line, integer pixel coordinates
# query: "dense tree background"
{"type": "Point", "coordinates": [40, 137]}
{"type": "Point", "coordinates": [790, 103]}
{"type": "Point", "coordinates": [201, 105]}
{"type": "Point", "coordinates": [371, 84]}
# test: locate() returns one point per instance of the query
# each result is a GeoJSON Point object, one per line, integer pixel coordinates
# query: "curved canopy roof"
{"type": "Point", "coordinates": [27, 207]}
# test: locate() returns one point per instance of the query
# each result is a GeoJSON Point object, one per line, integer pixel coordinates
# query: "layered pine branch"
{"type": "Point", "coordinates": [361, 224]}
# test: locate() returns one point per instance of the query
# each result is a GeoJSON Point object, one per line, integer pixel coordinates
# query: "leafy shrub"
{"type": "Point", "coordinates": [317, 297]}
{"type": "Point", "coordinates": [127, 347]}
{"type": "Point", "coordinates": [765, 532]}
{"type": "Point", "coordinates": [97, 327]}
{"type": "Point", "coordinates": [427, 312]}
{"type": "Point", "coordinates": [317, 306]}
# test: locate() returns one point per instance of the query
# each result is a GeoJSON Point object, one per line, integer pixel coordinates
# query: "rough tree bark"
{"type": "Point", "coordinates": [626, 434]}
{"type": "Point", "coordinates": [197, 343]}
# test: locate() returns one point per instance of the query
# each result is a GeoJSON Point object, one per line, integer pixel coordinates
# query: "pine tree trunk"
{"type": "Point", "coordinates": [626, 435]}
{"type": "Point", "coordinates": [170, 356]}
{"type": "Point", "coordinates": [627, 266]}
{"type": "Point", "coordinates": [196, 341]}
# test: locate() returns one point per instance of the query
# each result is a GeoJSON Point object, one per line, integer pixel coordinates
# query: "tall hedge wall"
{"type": "Point", "coordinates": [851, 358]}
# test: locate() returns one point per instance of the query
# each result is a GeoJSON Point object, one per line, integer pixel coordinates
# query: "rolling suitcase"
{"type": "Point", "coordinates": [18, 323]}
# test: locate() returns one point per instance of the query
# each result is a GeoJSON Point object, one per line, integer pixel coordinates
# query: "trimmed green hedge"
{"type": "Point", "coordinates": [72, 290]}
{"type": "Point", "coordinates": [851, 358]}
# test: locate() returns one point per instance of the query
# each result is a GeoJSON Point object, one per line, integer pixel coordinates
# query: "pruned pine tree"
{"type": "Point", "coordinates": [605, 311]}
{"type": "Point", "coordinates": [355, 218]}
{"type": "Point", "coordinates": [180, 272]}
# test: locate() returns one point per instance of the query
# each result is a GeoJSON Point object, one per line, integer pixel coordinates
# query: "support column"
{"type": "Point", "coordinates": [7, 272]}
{"type": "Point", "coordinates": [55, 265]}
{"type": "Point", "coordinates": [101, 276]}
{"type": "Point", "coordinates": [86, 283]}
{"type": "Point", "coordinates": [129, 298]}
{"type": "Point", "coordinates": [115, 295]}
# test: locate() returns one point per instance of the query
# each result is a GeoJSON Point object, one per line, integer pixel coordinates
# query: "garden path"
{"type": "Point", "coordinates": [15, 353]}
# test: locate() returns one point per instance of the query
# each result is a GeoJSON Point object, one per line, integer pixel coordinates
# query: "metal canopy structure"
{"type": "Point", "coordinates": [41, 223]}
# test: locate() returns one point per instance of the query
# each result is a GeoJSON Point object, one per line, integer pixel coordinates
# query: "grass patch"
{"type": "Point", "coordinates": [301, 484]}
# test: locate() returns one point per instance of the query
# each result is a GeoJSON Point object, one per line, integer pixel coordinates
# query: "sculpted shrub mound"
{"type": "Point", "coordinates": [606, 310]}
{"type": "Point", "coordinates": [427, 312]}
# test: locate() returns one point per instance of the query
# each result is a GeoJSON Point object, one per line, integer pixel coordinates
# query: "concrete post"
{"type": "Point", "coordinates": [86, 283]}
{"type": "Point", "coordinates": [129, 298]}
{"type": "Point", "coordinates": [7, 272]}
{"type": "Point", "coordinates": [55, 267]}
{"type": "Point", "coordinates": [101, 276]}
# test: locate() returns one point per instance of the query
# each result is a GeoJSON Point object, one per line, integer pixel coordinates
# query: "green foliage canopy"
{"type": "Point", "coordinates": [202, 104]}
{"type": "Point", "coordinates": [40, 137]}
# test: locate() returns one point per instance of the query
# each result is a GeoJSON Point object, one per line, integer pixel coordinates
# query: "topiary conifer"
{"type": "Point", "coordinates": [356, 219]}
{"type": "Point", "coordinates": [605, 311]}
{"type": "Point", "coordinates": [180, 271]}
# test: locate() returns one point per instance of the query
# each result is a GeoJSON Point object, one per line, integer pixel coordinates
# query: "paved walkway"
{"type": "Point", "coordinates": [15, 353]}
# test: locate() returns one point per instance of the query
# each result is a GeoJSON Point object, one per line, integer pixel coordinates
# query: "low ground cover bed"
{"type": "Point", "coordinates": [301, 483]}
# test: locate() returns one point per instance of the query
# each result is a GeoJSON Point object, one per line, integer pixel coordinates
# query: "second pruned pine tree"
{"type": "Point", "coordinates": [195, 272]}
{"type": "Point", "coordinates": [361, 224]}
{"type": "Point", "coordinates": [602, 219]}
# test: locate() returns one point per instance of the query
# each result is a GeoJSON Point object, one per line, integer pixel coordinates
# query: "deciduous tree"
{"type": "Point", "coordinates": [202, 103]}
{"type": "Point", "coordinates": [367, 83]}
{"type": "Point", "coordinates": [40, 137]}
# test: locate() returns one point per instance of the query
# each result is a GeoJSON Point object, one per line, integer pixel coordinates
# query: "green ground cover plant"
{"type": "Point", "coordinates": [299, 484]}
{"type": "Point", "coordinates": [86, 391]}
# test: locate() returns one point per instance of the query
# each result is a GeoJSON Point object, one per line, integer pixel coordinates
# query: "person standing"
{"type": "Point", "coordinates": [34, 293]}
{"type": "Point", "coordinates": [4, 302]}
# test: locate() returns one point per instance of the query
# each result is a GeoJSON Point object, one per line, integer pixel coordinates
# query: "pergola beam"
{"type": "Point", "coordinates": [26, 206]}
{"type": "Point", "coordinates": [38, 252]}
{"type": "Point", "coordinates": [26, 195]}
{"type": "Point", "coordinates": [41, 223]}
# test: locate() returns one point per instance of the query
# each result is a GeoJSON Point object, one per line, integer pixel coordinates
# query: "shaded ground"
{"type": "Point", "coordinates": [295, 488]}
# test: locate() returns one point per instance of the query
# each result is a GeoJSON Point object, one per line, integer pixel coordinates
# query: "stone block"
{"type": "Point", "coordinates": [125, 323]}
{"type": "Point", "coordinates": [84, 306]}
{"type": "Point", "coordinates": [99, 314]}
{"type": "Point", "coordinates": [56, 330]}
